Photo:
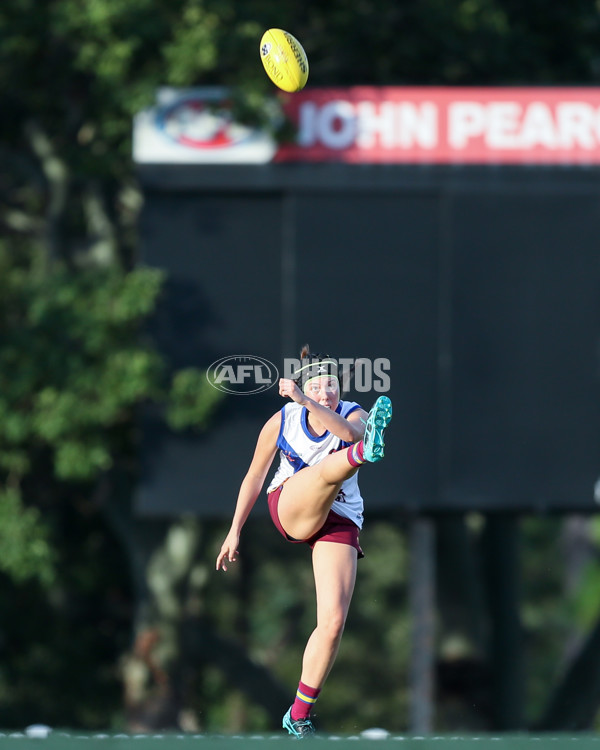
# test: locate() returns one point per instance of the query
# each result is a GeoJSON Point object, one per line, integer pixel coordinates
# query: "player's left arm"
{"type": "Point", "coordinates": [350, 429]}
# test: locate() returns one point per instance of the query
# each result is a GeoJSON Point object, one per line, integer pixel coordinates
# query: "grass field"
{"type": "Point", "coordinates": [77, 741]}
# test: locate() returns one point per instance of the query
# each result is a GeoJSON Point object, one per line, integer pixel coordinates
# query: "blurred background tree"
{"type": "Point", "coordinates": [112, 621]}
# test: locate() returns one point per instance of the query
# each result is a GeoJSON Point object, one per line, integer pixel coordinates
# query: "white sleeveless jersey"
{"type": "Point", "coordinates": [298, 448]}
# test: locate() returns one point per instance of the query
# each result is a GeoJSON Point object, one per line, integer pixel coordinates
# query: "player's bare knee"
{"type": "Point", "coordinates": [332, 626]}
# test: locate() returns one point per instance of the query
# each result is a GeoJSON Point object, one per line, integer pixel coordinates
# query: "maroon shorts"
{"type": "Point", "coordinates": [335, 529]}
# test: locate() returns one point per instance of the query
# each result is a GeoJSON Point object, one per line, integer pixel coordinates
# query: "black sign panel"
{"type": "Point", "coordinates": [480, 289]}
{"type": "Point", "coordinates": [525, 406]}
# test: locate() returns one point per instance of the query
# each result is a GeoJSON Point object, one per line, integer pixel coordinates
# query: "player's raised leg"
{"type": "Point", "coordinates": [306, 497]}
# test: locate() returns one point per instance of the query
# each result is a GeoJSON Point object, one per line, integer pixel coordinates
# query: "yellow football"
{"type": "Point", "coordinates": [284, 60]}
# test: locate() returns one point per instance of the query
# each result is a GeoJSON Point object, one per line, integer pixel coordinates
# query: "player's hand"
{"type": "Point", "coordinates": [229, 551]}
{"type": "Point", "coordinates": [289, 389]}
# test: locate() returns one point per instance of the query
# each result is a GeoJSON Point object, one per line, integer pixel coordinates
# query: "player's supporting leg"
{"type": "Point", "coordinates": [334, 567]}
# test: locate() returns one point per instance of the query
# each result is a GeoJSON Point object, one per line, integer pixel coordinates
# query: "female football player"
{"type": "Point", "coordinates": [314, 498]}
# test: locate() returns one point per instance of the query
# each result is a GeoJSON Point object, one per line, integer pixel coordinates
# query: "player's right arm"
{"type": "Point", "coordinates": [264, 453]}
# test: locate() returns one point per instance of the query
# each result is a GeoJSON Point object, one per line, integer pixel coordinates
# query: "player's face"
{"type": "Point", "coordinates": [324, 391]}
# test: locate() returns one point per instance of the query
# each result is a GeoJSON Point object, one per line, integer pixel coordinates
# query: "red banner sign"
{"type": "Point", "coordinates": [445, 125]}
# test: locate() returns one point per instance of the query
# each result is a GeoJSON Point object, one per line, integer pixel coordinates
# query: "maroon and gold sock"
{"type": "Point", "coordinates": [305, 699]}
{"type": "Point", "coordinates": [355, 454]}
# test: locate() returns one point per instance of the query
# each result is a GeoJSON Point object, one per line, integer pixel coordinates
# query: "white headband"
{"type": "Point", "coordinates": [320, 364]}
{"type": "Point", "coordinates": [317, 377]}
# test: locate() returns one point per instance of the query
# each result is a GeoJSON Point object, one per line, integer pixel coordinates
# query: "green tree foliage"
{"type": "Point", "coordinates": [466, 42]}
{"type": "Point", "coordinates": [73, 366]}
{"type": "Point", "coordinates": [62, 639]}
{"type": "Point", "coordinates": [26, 549]}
